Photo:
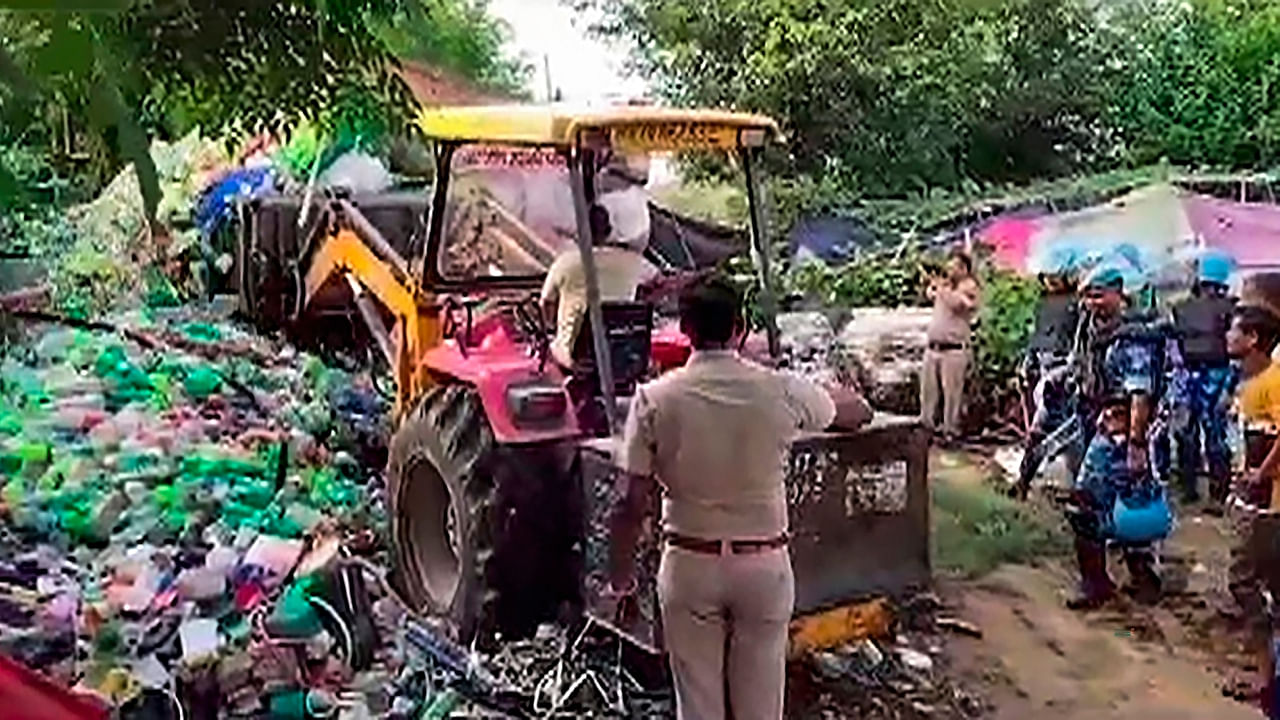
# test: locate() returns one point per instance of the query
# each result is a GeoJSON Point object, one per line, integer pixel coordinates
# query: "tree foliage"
{"type": "Point", "coordinates": [1198, 82]}
{"type": "Point", "coordinates": [456, 35]}
{"type": "Point", "coordinates": [158, 68]}
{"type": "Point", "coordinates": [210, 62]}
{"type": "Point", "coordinates": [909, 98]}
{"type": "Point", "coordinates": [889, 96]}
{"type": "Point", "coordinates": [52, 58]}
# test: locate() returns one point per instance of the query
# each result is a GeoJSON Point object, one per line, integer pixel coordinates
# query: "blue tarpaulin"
{"type": "Point", "coordinates": [830, 239]}
{"type": "Point", "coordinates": [218, 202]}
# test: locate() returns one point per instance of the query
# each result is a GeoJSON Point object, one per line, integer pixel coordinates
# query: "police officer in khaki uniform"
{"type": "Point", "coordinates": [716, 435]}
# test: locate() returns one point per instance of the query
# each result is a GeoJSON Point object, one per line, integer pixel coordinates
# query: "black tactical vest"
{"type": "Point", "coordinates": [1056, 320]}
{"type": "Point", "coordinates": [1202, 323]}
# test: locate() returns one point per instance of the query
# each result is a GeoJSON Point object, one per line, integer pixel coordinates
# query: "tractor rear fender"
{"type": "Point", "coordinates": [524, 399]}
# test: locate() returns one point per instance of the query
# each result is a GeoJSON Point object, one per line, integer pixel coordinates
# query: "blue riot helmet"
{"type": "Point", "coordinates": [1062, 265]}
{"type": "Point", "coordinates": [1104, 276]}
{"type": "Point", "coordinates": [1215, 267]}
{"type": "Point", "coordinates": [1124, 268]}
{"type": "Point", "coordinates": [1063, 261]}
{"type": "Point", "coordinates": [1135, 266]}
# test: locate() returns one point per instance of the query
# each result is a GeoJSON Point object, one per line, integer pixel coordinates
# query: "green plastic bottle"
{"type": "Point", "coordinates": [442, 706]}
{"type": "Point", "coordinates": [301, 704]}
{"type": "Point", "coordinates": [202, 382]}
{"type": "Point", "coordinates": [294, 616]}
{"type": "Point", "coordinates": [202, 332]}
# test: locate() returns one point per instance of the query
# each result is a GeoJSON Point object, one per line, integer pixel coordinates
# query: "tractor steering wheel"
{"type": "Point", "coordinates": [527, 312]}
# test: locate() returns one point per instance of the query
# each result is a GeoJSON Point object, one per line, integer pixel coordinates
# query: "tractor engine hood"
{"type": "Point", "coordinates": [523, 395]}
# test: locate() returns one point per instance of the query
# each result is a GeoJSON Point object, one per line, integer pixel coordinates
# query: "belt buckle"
{"type": "Point", "coordinates": [726, 548]}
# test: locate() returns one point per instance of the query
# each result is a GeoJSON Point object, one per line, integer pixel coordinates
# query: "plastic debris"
{"type": "Point", "coordinates": [357, 172]}
{"type": "Point", "coordinates": [199, 639]}
{"type": "Point", "coordinates": [866, 679]}
{"type": "Point", "coordinates": [277, 555]}
{"type": "Point", "coordinates": [915, 659]}
{"type": "Point", "coordinates": [150, 673]}
{"type": "Point", "coordinates": [962, 627]}
{"type": "Point", "coordinates": [156, 512]}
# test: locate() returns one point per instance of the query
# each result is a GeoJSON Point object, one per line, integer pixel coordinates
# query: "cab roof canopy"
{"type": "Point", "coordinates": [635, 127]}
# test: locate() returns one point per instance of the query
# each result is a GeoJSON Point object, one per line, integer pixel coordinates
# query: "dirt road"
{"type": "Point", "coordinates": [1039, 660]}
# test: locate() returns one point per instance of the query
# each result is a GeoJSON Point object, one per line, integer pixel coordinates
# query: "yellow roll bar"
{"type": "Point", "coordinates": [633, 127]}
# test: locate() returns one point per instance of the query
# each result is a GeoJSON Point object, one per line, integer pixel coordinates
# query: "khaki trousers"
{"type": "Point", "coordinates": [942, 377]}
{"type": "Point", "coordinates": [725, 621]}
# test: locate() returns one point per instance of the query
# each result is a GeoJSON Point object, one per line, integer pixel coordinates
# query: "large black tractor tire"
{"type": "Point", "coordinates": [482, 534]}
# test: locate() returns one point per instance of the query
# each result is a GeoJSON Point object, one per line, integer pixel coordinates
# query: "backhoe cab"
{"type": "Point", "coordinates": [486, 506]}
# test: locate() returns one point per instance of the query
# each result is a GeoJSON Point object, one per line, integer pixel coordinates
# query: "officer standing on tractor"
{"type": "Point", "coordinates": [716, 434]}
{"type": "Point", "coordinates": [1201, 322]}
{"type": "Point", "coordinates": [1125, 364]}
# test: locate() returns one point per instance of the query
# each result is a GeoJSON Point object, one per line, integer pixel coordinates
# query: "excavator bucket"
{"type": "Point", "coordinates": [859, 518]}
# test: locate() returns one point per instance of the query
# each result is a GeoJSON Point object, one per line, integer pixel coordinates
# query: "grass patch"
{"type": "Point", "coordinates": [976, 529]}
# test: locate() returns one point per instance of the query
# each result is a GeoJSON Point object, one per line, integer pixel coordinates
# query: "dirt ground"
{"type": "Point", "coordinates": [1038, 660]}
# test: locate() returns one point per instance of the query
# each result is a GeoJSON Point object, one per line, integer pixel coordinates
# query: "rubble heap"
{"type": "Point", "coordinates": [900, 676]}
{"type": "Point", "coordinates": [881, 348]}
{"type": "Point", "coordinates": [193, 516]}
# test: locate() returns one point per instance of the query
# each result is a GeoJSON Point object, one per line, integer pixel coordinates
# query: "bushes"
{"type": "Point", "coordinates": [976, 529]}
{"type": "Point", "coordinates": [896, 278]}
{"type": "Point", "coordinates": [1005, 324]}
{"type": "Point", "coordinates": [879, 279]}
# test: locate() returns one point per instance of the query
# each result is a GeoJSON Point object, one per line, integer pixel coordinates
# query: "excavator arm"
{"type": "Point", "coordinates": [354, 250]}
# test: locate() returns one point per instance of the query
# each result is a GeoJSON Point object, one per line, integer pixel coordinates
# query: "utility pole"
{"type": "Point", "coordinates": [546, 71]}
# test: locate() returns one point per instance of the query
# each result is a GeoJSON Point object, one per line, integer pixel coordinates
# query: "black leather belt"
{"type": "Point", "coordinates": [945, 346]}
{"type": "Point", "coordinates": [715, 547]}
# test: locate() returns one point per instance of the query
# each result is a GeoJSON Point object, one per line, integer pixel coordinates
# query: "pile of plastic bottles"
{"type": "Point", "coordinates": [190, 537]}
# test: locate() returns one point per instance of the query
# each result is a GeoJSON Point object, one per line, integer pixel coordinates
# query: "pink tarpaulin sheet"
{"type": "Point", "coordinates": [1150, 221]}
{"type": "Point", "coordinates": [1249, 232]}
{"type": "Point", "coordinates": [1010, 239]}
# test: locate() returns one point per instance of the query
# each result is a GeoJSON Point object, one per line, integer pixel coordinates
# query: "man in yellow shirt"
{"type": "Point", "coordinates": [1251, 340]}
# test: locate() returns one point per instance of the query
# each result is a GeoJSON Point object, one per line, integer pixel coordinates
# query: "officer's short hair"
{"type": "Point", "coordinates": [710, 310]}
{"type": "Point", "coordinates": [1261, 323]}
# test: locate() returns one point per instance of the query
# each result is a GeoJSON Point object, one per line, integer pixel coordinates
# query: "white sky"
{"type": "Point", "coordinates": [584, 68]}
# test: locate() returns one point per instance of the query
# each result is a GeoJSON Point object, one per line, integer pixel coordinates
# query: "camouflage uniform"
{"type": "Point", "coordinates": [1057, 318]}
{"type": "Point", "coordinates": [1046, 371]}
{"type": "Point", "coordinates": [1053, 426]}
{"type": "Point", "coordinates": [1205, 415]}
{"type": "Point", "coordinates": [1133, 357]}
{"type": "Point", "coordinates": [1136, 357]}
{"type": "Point", "coordinates": [1104, 475]}
{"type": "Point", "coordinates": [1174, 394]}
{"type": "Point", "coordinates": [1202, 321]}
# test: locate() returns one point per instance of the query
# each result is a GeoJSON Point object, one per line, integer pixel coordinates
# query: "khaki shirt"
{"type": "Point", "coordinates": [953, 311]}
{"type": "Point", "coordinates": [620, 272]}
{"type": "Point", "coordinates": [717, 435]}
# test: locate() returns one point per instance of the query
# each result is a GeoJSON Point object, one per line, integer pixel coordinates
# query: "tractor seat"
{"type": "Point", "coordinates": [629, 329]}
